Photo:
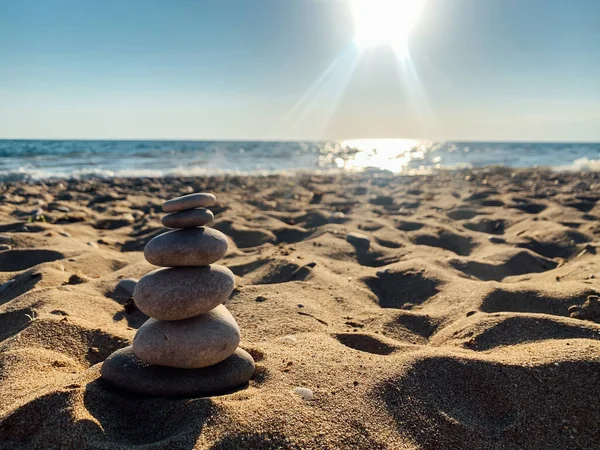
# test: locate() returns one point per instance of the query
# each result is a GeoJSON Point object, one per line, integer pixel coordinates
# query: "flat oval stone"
{"type": "Point", "coordinates": [189, 201]}
{"type": "Point", "coordinates": [193, 343]}
{"type": "Point", "coordinates": [189, 247]}
{"type": "Point", "coordinates": [179, 293]}
{"type": "Point", "coordinates": [124, 370]}
{"type": "Point", "coordinates": [191, 218]}
{"type": "Point", "coordinates": [127, 285]}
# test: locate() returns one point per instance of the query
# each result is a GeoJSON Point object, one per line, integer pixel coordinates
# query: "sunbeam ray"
{"type": "Point", "coordinates": [319, 101]}
{"type": "Point", "coordinates": [418, 100]}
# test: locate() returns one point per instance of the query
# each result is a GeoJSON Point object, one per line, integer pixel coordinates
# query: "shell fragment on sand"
{"type": "Point", "coordinates": [178, 293]}
{"type": "Point", "coordinates": [305, 393]}
{"type": "Point", "coordinates": [191, 218]}
{"type": "Point", "coordinates": [190, 201]}
{"type": "Point", "coordinates": [125, 371]}
{"type": "Point", "coordinates": [188, 344]}
{"type": "Point", "coordinates": [188, 247]}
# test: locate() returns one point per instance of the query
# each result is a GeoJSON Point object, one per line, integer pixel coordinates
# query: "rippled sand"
{"type": "Point", "coordinates": [469, 322]}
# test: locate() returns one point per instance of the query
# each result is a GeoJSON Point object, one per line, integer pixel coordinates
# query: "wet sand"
{"type": "Point", "coordinates": [465, 317]}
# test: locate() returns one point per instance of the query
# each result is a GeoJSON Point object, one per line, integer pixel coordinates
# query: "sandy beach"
{"type": "Point", "coordinates": [456, 310]}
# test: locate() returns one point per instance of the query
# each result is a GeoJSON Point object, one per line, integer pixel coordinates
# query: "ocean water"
{"type": "Point", "coordinates": [41, 159]}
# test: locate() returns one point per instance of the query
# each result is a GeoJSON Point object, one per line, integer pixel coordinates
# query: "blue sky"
{"type": "Point", "coordinates": [288, 69]}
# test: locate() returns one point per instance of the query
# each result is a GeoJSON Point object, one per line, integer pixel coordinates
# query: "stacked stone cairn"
{"type": "Point", "coordinates": [189, 346]}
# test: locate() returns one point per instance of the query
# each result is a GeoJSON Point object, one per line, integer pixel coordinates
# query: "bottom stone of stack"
{"type": "Point", "coordinates": [125, 371]}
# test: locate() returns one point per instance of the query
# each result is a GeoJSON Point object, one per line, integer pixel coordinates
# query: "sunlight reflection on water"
{"type": "Point", "coordinates": [396, 155]}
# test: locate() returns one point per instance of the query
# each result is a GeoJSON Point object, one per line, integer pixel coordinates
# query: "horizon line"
{"type": "Point", "coordinates": [479, 141]}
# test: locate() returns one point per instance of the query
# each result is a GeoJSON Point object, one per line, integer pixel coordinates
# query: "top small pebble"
{"type": "Point", "coordinates": [190, 201]}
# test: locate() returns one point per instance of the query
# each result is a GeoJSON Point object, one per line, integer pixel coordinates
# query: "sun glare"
{"type": "Point", "coordinates": [385, 22]}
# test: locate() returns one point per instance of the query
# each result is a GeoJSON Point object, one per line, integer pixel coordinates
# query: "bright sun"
{"type": "Point", "coordinates": [385, 22]}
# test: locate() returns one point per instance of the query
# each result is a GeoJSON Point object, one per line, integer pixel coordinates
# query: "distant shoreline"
{"type": "Point", "coordinates": [31, 160]}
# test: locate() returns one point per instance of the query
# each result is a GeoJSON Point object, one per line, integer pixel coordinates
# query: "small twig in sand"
{"type": "Point", "coordinates": [310, 315]}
